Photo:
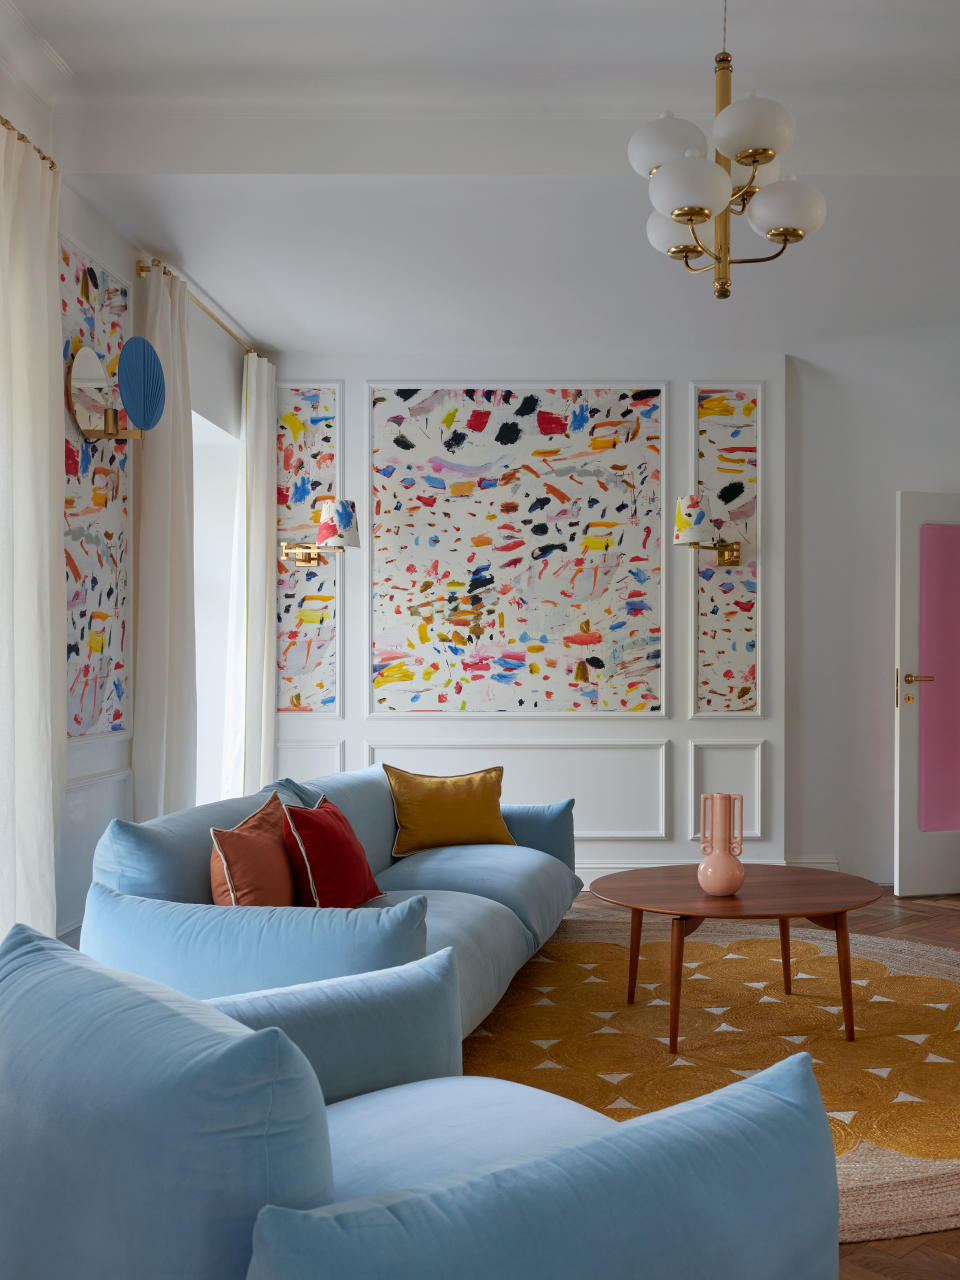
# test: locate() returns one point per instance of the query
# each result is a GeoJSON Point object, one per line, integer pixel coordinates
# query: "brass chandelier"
{"type": "Point", "coordinates": [687, 189]}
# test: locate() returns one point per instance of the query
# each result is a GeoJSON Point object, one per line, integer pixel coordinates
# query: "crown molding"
{"type": "Point", "coordinates": [29, 59]}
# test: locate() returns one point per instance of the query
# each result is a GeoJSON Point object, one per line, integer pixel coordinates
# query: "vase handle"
{"type": "Point", "coordinates": [736, 825]}
{"type": "Point", "coordinates": [706, 810]}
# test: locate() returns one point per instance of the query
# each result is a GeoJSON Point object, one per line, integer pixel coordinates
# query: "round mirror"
{"type": "Point", "coordinates": [88, 390]}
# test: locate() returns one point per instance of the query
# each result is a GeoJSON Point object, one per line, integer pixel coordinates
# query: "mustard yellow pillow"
{"type": "Point", "coordinates": [464, 809]}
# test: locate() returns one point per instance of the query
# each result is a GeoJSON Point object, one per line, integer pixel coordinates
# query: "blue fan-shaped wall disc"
{"type": "Point", "coordinates": [140, 378]}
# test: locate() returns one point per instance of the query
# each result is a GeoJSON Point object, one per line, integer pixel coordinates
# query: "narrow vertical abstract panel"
{"type": "Point", "coordinates": [306, 598]}
{"type": "Point", "coordinates": [95, 313]}
{"type": "Point", "coordinates": [516, 549]}
{"type": "Point", "coordinates": [727, 599]}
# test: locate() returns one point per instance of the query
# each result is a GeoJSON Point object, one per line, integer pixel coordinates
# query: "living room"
{"type": "Point", "coordinates": [397, 259]}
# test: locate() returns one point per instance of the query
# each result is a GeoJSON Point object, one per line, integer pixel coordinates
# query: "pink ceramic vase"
{"type": "Point", "coordinates": [721, 843]}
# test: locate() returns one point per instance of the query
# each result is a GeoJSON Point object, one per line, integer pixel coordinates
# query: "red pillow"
{"type": "Point", "coordinates": [330, 867]}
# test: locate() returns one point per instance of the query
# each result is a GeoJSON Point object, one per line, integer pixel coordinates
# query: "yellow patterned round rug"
{"type": "Point", "coordinates": [893, 1095]}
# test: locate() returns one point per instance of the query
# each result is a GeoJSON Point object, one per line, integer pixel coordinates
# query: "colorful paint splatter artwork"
{"type": "Point", "coordinates": [516, 549]}
{"type": "Point", "coordinates": [728, 602]}
{"type": "Point", "coordinates": [94, 313]}
{"type": "Point", "coordinates": [306, 598]}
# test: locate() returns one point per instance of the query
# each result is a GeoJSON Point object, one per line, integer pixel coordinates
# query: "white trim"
{"type": "Point", "coordinates": [693, 805]}
{"type": "Point", "coordinates": [97, 779]}
{"type": "Point", "coordinates": [337, 385]}
{"type": "Point", "coordinates": [692, 568]}
{"type": "Point", "coordinates": [569, 744]}
{"type": "Point", "coordinates": [30, 59]}
{"type": "Point", "coordinates": [314, 744]}
{"type": "Point", "coordinates": [576, 717]}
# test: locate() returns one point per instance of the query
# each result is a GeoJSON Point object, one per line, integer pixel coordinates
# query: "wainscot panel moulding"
{"type": "Point", "coordinates": [726, 453]}
{"type": "Point", "coordinates": [627, 798]}
{"type": "Point", "coordinates": [95, 317]}
{"type": "Point", "coordinates": [308, 596]}
{"type": "Point", "coordinates": [516, 549]}
{"type": "Point", "coordinates": [733, 766]}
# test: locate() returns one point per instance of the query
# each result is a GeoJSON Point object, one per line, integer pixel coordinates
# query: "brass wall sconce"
{"type": "Point", "coordinates": [336, 531]}
{"type": "Point", "coordinates": [694, 521]}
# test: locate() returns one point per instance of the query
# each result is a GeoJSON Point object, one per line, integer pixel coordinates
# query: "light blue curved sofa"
{"type": "Point", "coordinates": [325, 1131]}
{"type": "Point", "coordinates": [149, 909]}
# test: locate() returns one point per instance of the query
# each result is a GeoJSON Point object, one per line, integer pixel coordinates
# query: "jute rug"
{"type": "Point", "coordinates": [893, 1096]}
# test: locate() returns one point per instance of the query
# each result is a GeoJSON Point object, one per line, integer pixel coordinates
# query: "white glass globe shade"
{"type": "Point", "coordinates": [787, 204]}
{"type": "Point", "coordinates": [690, 182]}
{"type": "Point", "coordinates": [666, 138]}
{"type": "Point", "coordinates": [767, 173]}
{"type": "Point", "coordinates": [664, 234]}
{"type": "Point", "coordinates": [752, 124]}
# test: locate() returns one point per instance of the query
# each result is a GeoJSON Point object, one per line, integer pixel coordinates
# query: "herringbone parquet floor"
{"type": "Point", "coordinates": [931, 1257]}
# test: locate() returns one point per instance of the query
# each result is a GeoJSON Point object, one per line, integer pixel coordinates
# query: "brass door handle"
{"type": "Point", "coordinates": [918, 679]}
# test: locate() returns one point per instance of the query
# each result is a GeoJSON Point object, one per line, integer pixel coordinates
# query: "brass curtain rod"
{"type": "Point", "coordinates": [143, 269]}
{"type": "Point", "coordinates": [22, 137]}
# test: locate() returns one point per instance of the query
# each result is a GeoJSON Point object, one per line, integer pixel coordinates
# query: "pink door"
{"type": "Point", "coordinates": [927, 819]}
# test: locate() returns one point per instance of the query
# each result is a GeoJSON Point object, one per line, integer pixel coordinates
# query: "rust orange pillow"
{"type": "Point", "coordinates": [329, 863]}
{"type": "Point", "coordinates": [464, 809]}
{"type": "Point", "coordinates": [249, 866]}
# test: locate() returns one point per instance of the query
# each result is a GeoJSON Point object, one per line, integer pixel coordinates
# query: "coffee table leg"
{"type": "Point", "coordinates": [843, 962]}
{"type": "Point", "coordinates": [636, 924]}
{"type": "Point", "coordinates": [677, 934]}
{"type": "Point", "coordinates": [785, 952]}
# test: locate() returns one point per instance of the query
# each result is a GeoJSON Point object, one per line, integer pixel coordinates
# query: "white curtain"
{"type": "Point", "coordinates": [165, 709]}
{"type": "Point", "coordinates": [251, 702]}
{"type": "Point", "coordinates": [32, 600]}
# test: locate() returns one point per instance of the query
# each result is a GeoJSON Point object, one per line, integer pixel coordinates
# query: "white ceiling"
{"type": "Point", "coordinates": [455, 55]}
{"type": "Point", "coordinates": [358, 265]}
{"type": "Point", "coordinates": [351, 176]}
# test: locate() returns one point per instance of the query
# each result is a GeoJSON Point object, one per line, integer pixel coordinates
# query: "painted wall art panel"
{"type": "Point", "coordinates": [95, 313]}
{"type": "Point", "coordinates": [727, 599]}
{"type": "Point", "coordinates": [516, 549]}
{"type": "Point", "coordinates": [307, 426]}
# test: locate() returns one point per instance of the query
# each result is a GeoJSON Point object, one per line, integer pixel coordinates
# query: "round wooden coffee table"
{"type": "Point", "coordinates": [768, 893]}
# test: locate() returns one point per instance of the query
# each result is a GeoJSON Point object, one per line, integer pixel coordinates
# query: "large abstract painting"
{"type": "Point", "coordinates": [727, 599]}
{"type": "Point", "coordinates": [95, 313]}
{"type": "Point", "coordinates": [306, 598]}
{"type": "Point", "coordinates": [516, 549]}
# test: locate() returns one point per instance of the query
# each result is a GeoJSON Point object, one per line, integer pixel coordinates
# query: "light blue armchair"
{"type": "Point", "coordinates": [324, 1131]}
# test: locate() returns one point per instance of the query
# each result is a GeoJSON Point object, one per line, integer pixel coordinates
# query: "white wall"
{"type": "Point", "coordinates": [865, 417]}
{"type": "Point", "coordinates": [614, 765]}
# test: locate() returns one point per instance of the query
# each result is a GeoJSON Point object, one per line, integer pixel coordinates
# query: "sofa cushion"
{"type": "Point", "coordinates": [219, 951]}
{"type": "Point", "coordinates": [488, 940]}
{"type": "Point", "coordinates": [169, 857]}
{"type": "Point", "coordinates": [737, 1184]}
{"type": "Point", "coordinates": [364, 796]}
{"type": "Point", "coordinates": [329, 864]}
{"type": "Point", "coordinates": [417, 1133]}
{"type": "Point", "coordinates": [123, 1100]}
{"type": "Point", "coordinates": [249, 865]}
{"type": "Point", "coordinates": [535, 886]}
{"type": "Point", "coordinates": [543, 826]}
{"type": "Point", "coordinates": [434, 811]}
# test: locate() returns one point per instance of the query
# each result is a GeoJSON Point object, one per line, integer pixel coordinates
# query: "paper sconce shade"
{"type": "Point", "coordinates": [337, 527]}
{"type": "Point", "coordinates": [693, 520]}
{"type": "Point", "coordinates": [141, 383]}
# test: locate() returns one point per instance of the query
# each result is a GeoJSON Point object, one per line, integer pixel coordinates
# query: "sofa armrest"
{"type": "Point", "coordinates": [740, 1183]}
{"type": "Point", "coordinates": [548, 827]}
{"type": "Point", "coordinates": [205, 950]}
{"type": "Point", "coordinates": [370, 1031]}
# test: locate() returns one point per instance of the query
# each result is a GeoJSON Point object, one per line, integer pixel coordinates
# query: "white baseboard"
{"type": "Point", "coordinates": [590, 870]}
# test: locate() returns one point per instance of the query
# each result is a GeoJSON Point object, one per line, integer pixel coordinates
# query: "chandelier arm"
{"type": "Point", "coordinates": [700, 245]}
{"type": "Point", "coordinates": [769, 258]}
{"type": "Point", "coordinates": [739, 191]}
{"type": "Point", "coordinates": [697, 270]}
